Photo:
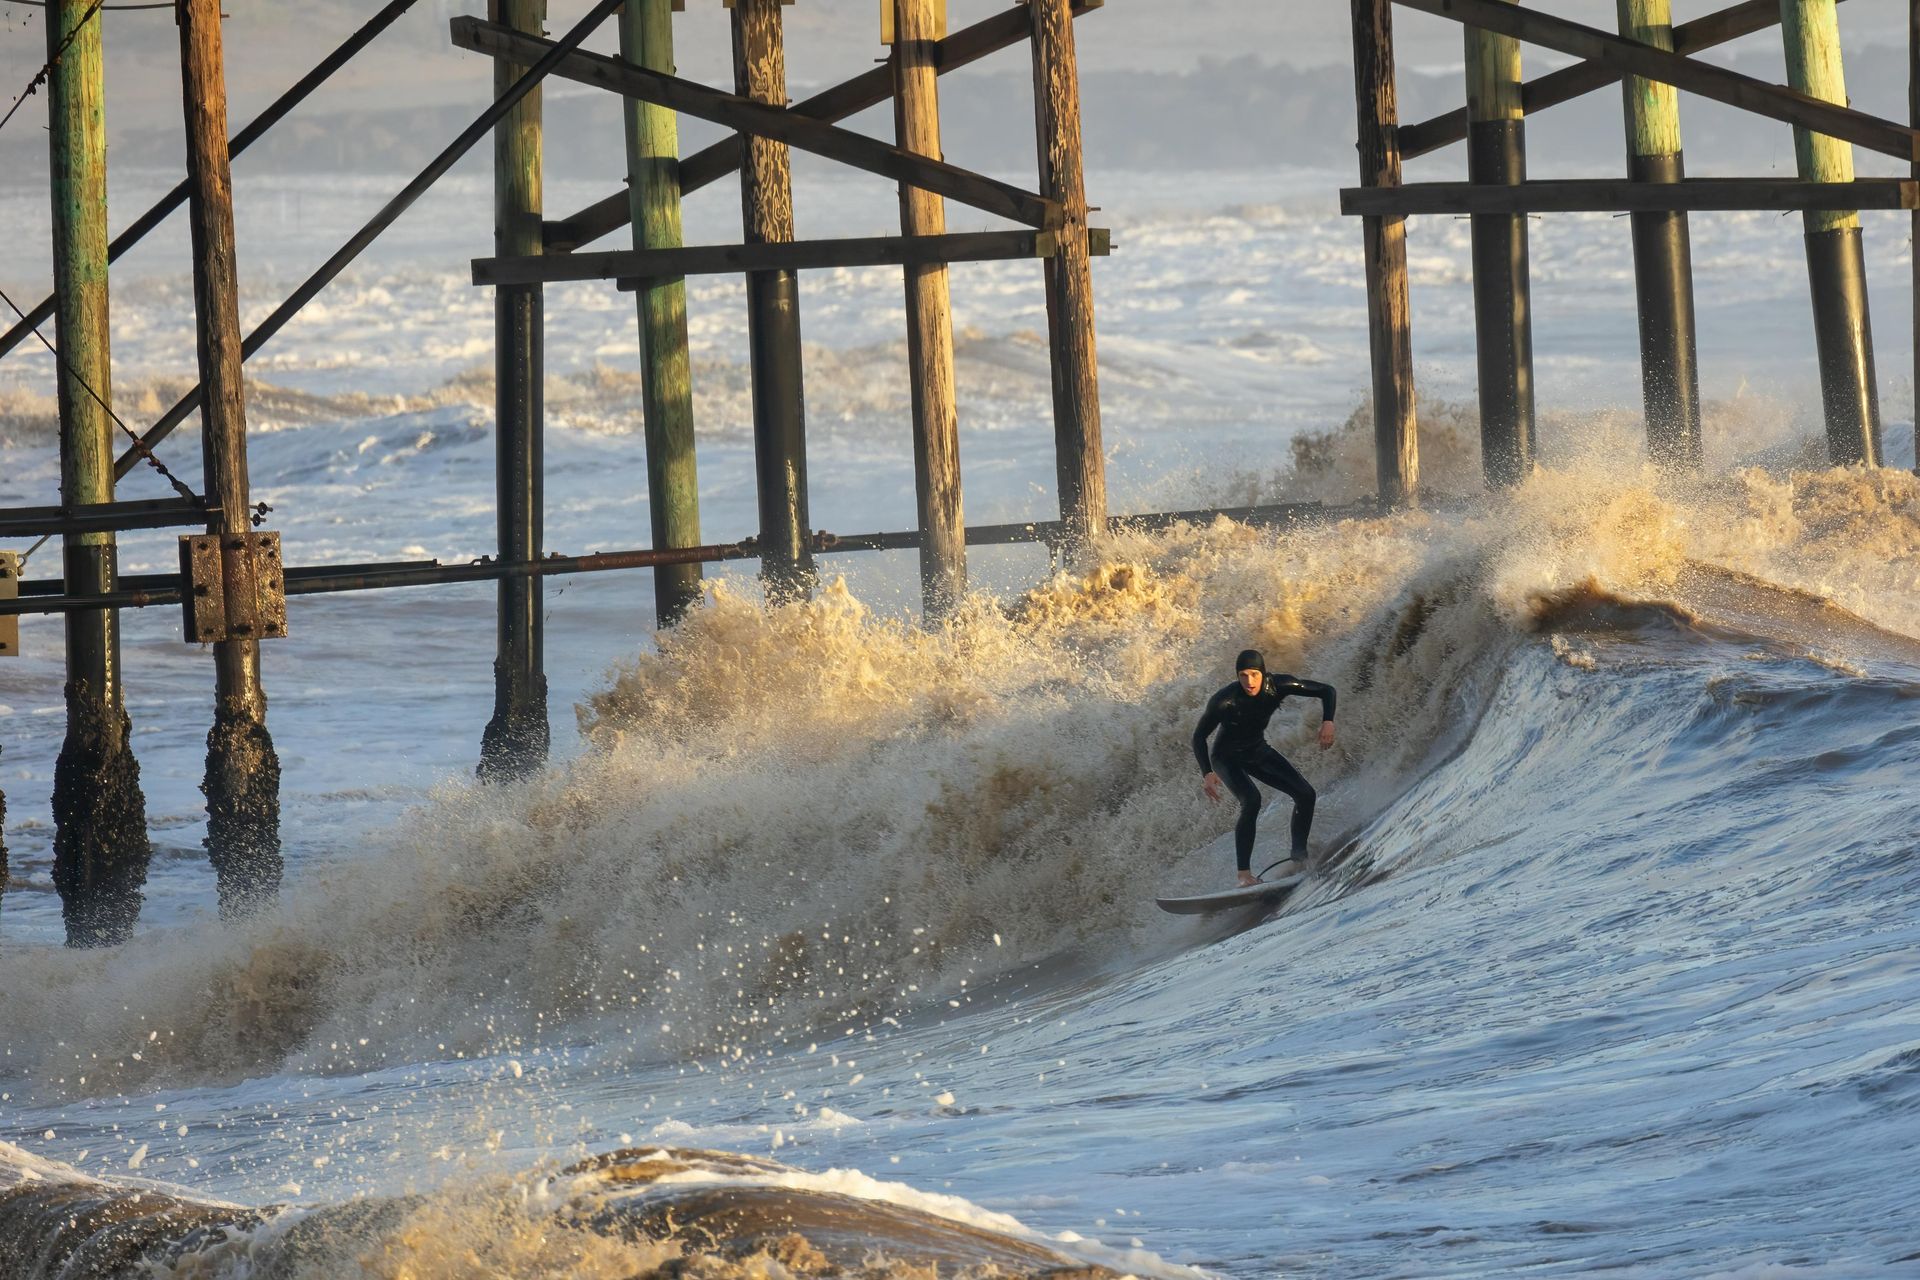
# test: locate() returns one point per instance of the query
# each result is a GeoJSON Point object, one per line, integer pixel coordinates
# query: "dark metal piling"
{"type": "Point", "coordinates": [1396, 444]}
{"type": "Point", "coordinates": [653, 194]}
{"type": "Point", "coordinates": [918, 27]}
{"type": "Point", "coordinates": [100, 848]}
{"type": "Point", "coordinates": [1079, 458]}
{"type": "Point", "coordinates": [1662, 253]}
{"type": "Point", "coordinates": [1502, 309]}
{"type": "Point", "coordinates": [517, 737]}
{"type": "Point", "coordinates": [1836, 260]}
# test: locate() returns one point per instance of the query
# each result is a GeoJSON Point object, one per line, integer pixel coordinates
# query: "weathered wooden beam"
{"type": "Point", "coordinates": [764, 120]}
{"type": "Point", "coordinates": [1396, 444]}
{"type": "Point", "coordinates": [850, 97]}
{"type": "Point", "coordinates": [1628, 57]}
{"type": "Point", "coordinates": [146, 513]}
{"type": "Point", "coordinates": [242, 782]}
{"type": "Point", "coordinates": [1502, 288]}
{"type": "Point", "coordinates": [1614, 195]}
{"type": "Point", "coordinates": [1662, 253]}
{"type": "Point", "coordinates": [517, 737]}
{"type": "Point", "coordinates": [1582, 78]}
{"type": "Point", "coordinates": [1080, 461]}
{"type": "Point", "coordinates": [629, 265]}
{"type": "Point", "coordinates": [1836, 257]}
{"type": "Point", "coordinates": [917, 26]}
{"type": "Point", "coordinates": [774, 352]}
{"type": "Point", "coordinates": [100, 845]}
{"type": "Point", "coordinates": [666, 365]}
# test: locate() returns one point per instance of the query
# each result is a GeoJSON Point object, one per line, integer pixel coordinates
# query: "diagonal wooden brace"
{"type": "Point", "coordinates": [963, 48]}
{"type": "Point", "coordinates": [777, 123]}
{"type": "Point", "coordinates": [1566, 84]}
{"type": "Point", "coordinates": [1630, 57]}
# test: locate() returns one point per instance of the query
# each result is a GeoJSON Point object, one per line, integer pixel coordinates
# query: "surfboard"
{"type": "Point", "coordinates": [1266, 892]}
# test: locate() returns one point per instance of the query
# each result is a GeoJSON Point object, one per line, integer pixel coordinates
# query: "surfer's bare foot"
{"type": "Point", "coordinates": [1247, 878]}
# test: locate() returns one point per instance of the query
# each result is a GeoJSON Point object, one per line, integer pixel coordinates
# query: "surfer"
{"type": "Point", "coordinates": [1241, 754]}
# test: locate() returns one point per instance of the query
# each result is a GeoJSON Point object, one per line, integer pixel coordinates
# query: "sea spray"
{"type": "Point", "coordinates": [813, 817]}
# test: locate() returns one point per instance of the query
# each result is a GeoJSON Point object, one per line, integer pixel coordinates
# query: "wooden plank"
{"type": "Point", "coordinates": [144, 513]}
{"type": "Point", "coordinates": [631, 265]}
{"type": "Point", "coordinates": [1609, 195]}
{"type": "Point", "coordinates": [517, 737]}
{"type": "Point", "coordinates": [915, 36]}
{"type": "Point", "coordinates": [1583, 78]}
{"type": "Point", "coordinates": [1629, 57]}
{"type": "Point", "coordinates": [1080, 460]}
{"type": "Point", "coordinates": [763, 120]}
{"type": "Point", "coordinates": [1396, 446]}
{"type": "Point", "coordinates": [666, 384]}
{"type": "Point", "coordinates": [775, 354]}
{"type": "Point", "coordinates": [850, 97]}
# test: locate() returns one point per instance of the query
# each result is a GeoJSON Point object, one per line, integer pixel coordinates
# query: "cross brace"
{"type": "Point", "coordinates": [1568, 83]}
{"type": "Point", "coordinates": [850, 97]}
{"type": "Point", "coordinates": [629, 266]}
{"type": "Point", "coordinates": [781, 125]}
{"type": "Point", "coordinates": [1630, 57]}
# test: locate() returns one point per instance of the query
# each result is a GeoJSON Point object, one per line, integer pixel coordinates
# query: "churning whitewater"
{"type": "Point", "coordinates": [827, 946]}
{"type": "Point", "coordinates": [1611, 964]}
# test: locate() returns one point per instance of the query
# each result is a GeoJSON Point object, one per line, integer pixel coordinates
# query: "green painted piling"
{"type": "Point", "coordinates": [653, 196]}
{"type": "Point", "coordinates": [1836, 259]}
{"type": "Point", "coordinates": [517, 737]}
{"type": "Point", "coordinates": [1662, 253]}
{"type": "Point", "coordinates": [100, 847]}
{"type": "Point", "coordinates": [1502, 304]}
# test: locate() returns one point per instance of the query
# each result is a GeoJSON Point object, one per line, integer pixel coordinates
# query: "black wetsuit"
{"type": "Point", "coordinates": [1241, 754]}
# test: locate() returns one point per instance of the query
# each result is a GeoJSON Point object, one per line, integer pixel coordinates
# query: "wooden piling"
{"type": "Point", "coordinates": [773, 314]}
{"type": "Point", "coordinates": [1502, 309]}
{"type": "Point", "coordinates": [918, 26]}
{"type": "Point", "coordinates": [243, 769]}
{"type": "Point", "coordinates": [517, 737]}
{"type": "Point", "coordinates": [1079, 458]}
{"type": "Point", "coordinates": [1913, 118]}
{"type": "Point", "coordinates": [1662, 253]}
{"type": "Point", "coordinates": [653, 195]}
{"type": "Point", "coordinates": [100, 848]}
{"type": "Point", "coordinates": [1396, 445]}
{"type": "Point", "coordinates": [1836, 261]}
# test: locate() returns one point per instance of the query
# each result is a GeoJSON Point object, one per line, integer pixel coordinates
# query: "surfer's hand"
{"type": "Point", "coordinates": [1326, 734]}
{"type": "Point", "coordinates": [1211, 785]}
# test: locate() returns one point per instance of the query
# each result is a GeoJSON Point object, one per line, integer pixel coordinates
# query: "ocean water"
{"type": "Point", "coordinates": [828, 940]}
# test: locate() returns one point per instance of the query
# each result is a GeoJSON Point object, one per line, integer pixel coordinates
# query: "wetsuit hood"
{"type": "Point", "coordinates": [1249, 660]}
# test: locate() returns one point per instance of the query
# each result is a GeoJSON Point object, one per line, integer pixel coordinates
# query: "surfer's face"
{"type": "Point", "coordinates": [1250, 680]}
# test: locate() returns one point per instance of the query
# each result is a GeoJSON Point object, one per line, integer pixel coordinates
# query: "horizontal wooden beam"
{"type": "Point", "coordinates": [1568, 83]}
{"type": "Point", "coordinates": [104, 517]}
{"type": "Point", "coordinates": [848, 98]}
{"type": "Point", "coordinates": [1630, 57]}
{"type": "Point", "coordinates": [1608, 195]}
{"type": "Point", "coordinates": [737, 113]}
{"type": "Point", "coordinates": [630, 266]}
